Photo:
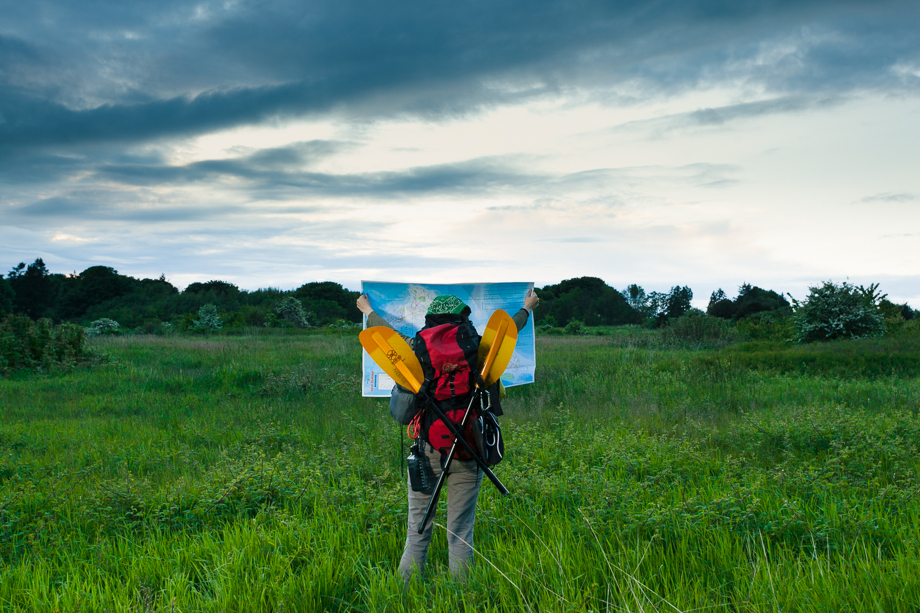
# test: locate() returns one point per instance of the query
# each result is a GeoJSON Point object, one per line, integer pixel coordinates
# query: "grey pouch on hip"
{"type": "Point", "coordinates": [402, 405]}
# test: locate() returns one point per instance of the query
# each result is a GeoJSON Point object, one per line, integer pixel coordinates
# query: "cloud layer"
{"type": "Point", "coordinates": [104, 106]}
{"type": "Point", "coordinates": [132, 71]}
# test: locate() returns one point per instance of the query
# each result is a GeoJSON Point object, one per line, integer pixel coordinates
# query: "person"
{"type": "Point", "coordinates": [464, 479]}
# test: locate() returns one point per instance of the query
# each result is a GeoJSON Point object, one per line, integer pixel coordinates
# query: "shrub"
{"type": "Point", "coordinates": [899, 327]}
{"type": "Point", "coordinates": [723, 308]}
{"type": "Point", "coordinates": [208, 320]}
{"type": "Point", "coordinates": [290, 310]}
{"type": "Point", "coordinates": [104, 327]}
{"type": "Point", "coordinates": [696, 330]}
{"type": "Point", "coordinates": [25, 344]}
{"type": "Point", "coordinates": [766, 326]}
{"type": "Point", "coordinates": [575, 327]}
{"type": "Point", "coordinates": [834, 311]}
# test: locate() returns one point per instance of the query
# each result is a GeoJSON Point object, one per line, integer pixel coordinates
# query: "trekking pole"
{"type": "Point", "coordinates": [433, 502]}
{"type": "Point", "coordinates": [455, 430]}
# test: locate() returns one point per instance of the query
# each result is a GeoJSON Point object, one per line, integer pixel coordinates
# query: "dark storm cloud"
{"type": "Point", "coordinates": [263, 180]}
{"type": "Point", "coordinates": [266, 175]}
{"type": "Point", "coordinates": [262, 175]}
{"type": "Point", "coordinates": [94, 206]}
{"type": "Point", "coordinates": [134, 71]}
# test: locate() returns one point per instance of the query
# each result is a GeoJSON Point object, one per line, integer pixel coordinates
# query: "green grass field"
{"type": "Point", "coordinates": [246, 473]}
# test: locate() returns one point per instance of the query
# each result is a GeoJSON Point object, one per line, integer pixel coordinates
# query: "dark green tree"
{"type": "Point", "coordinates": [93, 286]}
{"type": "Point", "coordinates": [7, 296]}
{"type": "Point", "coordinates": [34, 289]}
{"type": "Point", "coordinates": [226, 296]}
{"type": "Point", "coordinates": [149, 302]}
{"type": "Point", "coordinates": [664, 307]}
{"type": "Point", "coordinates": [587, 299]}
{"type": "Point", "coordinates": [891, 310]}
{"type": "Point", "coordinates": [328, 302]}
{"type": "Point", "coordinates": [752, 299]}
{"type": "Point", "coordinates": [678, 301]}
{"type": "Point", "coordinates": [636, 298]}
{"type": "Point", "coordinates": [214, 287]}
{"type": "Point", "coordinates": [720, 306]}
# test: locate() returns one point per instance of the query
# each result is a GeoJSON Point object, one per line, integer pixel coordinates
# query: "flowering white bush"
{"type": "Point", "coordinates": [103, 326]}
{"type": "Point", "coordinates": [834, 311]}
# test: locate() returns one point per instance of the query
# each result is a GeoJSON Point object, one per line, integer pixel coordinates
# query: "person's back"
{"type": "Point", "coordinates": [451, 387]}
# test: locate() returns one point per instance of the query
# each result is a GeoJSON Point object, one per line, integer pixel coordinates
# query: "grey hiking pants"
{"type": "Point", "coordinates": [462, 490]}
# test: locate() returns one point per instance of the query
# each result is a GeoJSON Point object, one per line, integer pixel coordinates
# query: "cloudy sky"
{"type": "Point", "coordinates": [272, 143]}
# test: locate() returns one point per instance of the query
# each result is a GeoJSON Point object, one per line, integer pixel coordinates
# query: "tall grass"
{"type": "Point", "coordinates": [245, 473]}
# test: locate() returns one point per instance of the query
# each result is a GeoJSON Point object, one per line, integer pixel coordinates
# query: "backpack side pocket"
{"type": "Point", "coordinates": [403, 407]}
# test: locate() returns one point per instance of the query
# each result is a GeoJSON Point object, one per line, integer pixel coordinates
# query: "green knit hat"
{"type": "Point", "coordinates": [448, 304]}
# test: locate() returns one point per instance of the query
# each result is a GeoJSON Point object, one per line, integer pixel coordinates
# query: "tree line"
{"type": "Point", "coordinates": [101, 293]}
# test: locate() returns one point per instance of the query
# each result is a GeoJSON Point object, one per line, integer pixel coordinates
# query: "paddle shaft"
{"type": "Point", "coordinates": [433, 502]}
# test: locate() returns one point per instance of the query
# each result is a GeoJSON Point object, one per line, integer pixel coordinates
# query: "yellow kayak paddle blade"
{"type": "Point", "coordinates": [394, 355]}
{"type": "Point", "coordinates": [497, 346]}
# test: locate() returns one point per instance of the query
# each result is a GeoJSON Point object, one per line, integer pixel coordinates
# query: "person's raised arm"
{"type": "Point", "coordinates": [364, 305]}
{"type": "Point", "coordinates": [373, 319]}
{"type": "Point", "coordinates": [531, 301]}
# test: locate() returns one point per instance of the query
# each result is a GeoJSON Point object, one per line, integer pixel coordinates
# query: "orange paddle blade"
{"type": "Point", "coordinates": [497, 346]}
{"type": "Point", "coordinates": [394, 355]}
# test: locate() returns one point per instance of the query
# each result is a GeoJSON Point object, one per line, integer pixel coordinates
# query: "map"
{"type": "Point", "coordinates": [403, 306]}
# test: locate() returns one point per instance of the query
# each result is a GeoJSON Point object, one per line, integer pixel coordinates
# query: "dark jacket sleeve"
{"type": "Point", "coordinates": [520, 318]}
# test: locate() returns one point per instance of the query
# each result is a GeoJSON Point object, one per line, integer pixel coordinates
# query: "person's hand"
{"type": "Point", "coordinates": [531, 301]}
{"type": "Point", "coordinates": [364, 305]}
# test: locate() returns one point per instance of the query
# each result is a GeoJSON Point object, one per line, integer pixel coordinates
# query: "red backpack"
{"type": "Point", "coordinates": [448, 348]}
